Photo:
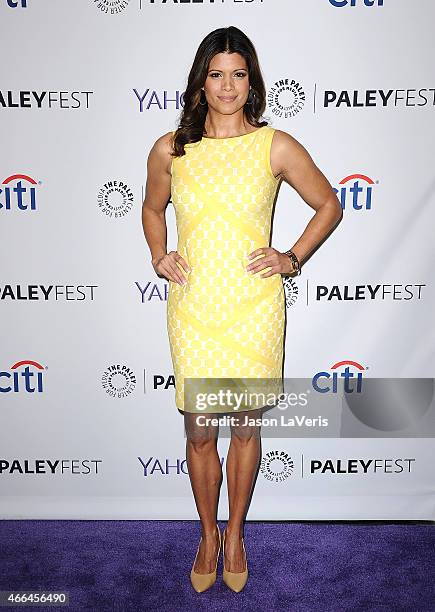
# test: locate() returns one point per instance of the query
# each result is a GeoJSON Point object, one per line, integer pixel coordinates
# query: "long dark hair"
{"type": "Point", "coordinates": [192, 119]}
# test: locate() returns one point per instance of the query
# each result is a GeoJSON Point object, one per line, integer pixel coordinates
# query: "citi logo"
{"type": "Point", "coordinates": [328, 382]}
{"type": "Point", "coordinates": [18, 192]}
{"type": "Point", "coordinates": [341, 3]}
{"type": "Point", "coordinates": [23, 377]}
{"type": "Point", "coordinates": [17, 3]}
{"type": "Point", "coordinates": [356, 192]}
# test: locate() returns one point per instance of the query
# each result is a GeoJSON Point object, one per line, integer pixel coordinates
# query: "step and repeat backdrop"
{"type": "Point", "coordinates": [89, 426]}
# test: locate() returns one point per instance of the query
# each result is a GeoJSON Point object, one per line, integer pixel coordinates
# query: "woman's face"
{"type": "Point", "coordinates": [227, 84]}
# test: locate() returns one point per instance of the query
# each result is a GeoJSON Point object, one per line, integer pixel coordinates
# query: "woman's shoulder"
{"type": "Point", "coordinates": [286, 143]}
{"type": "Point", "coordinates": [164, 140]}
{"type": "Point", "coordinates": [160, 152]}
{"type": "Point", "coordinates": [163, 145]}
{"type": "Point", "coordinates": [282, 135]}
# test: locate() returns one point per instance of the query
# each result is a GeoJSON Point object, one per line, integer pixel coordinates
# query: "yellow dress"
{"type": "Point", "coordinates": [225, 322]}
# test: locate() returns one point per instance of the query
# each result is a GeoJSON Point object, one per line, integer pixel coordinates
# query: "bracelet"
{"type": "Point", "coordinates": [295, 261]}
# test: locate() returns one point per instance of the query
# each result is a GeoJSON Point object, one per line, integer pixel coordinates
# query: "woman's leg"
{"type": "Point", "coordinates": [205, 473]}
{"type": "Point", "coordinates": [242, 465]}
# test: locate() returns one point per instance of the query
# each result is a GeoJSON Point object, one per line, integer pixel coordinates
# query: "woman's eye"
{"type": "Point", "coordinates": [240, 74]}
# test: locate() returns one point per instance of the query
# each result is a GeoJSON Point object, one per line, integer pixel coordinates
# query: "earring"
{"type": "Point", "coordinates": [205, 100]}
{"type": "Point", "coordinates": [251, 98]}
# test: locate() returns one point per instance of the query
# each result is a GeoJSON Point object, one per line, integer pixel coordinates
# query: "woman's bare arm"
{"type": "Point", "coordinates": [157, 194]}
{"type": "Point", "coordinates": [291, 161]}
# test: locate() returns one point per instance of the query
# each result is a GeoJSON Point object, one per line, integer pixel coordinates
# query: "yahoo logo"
{"type": "Point", "coordinates": [325, 382]}
{"type": "Point", "coordinates": [352, 189]}
{"type": "Point", "coordinates": [12, 196]}
{"type": "Point", "coordinates": [151, 291]}
{"type": "Point", "coordinates": [341, 3]}
{"type": "Point", "coordinates": [21, 380]}
{"type": "Point", "coordinates": [152, 99]}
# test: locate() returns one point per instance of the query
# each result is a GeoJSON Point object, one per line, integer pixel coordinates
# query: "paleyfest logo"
{"type": "Point", "coordinates": [351, 377]}
{"type": "Point", "coordinates": [356, 191]}
{"type": "Point", "coordinates": [112, 7]}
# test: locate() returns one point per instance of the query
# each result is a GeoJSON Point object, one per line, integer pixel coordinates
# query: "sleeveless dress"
{"type": "Point", "coordinates": [225, 322]}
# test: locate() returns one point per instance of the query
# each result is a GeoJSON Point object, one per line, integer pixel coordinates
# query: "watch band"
{"type": "Point", "coordinates": [295, 261]}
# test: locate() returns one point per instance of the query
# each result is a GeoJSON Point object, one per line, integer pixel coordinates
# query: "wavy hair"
{"type": "Point", "coordinates": [192, 120]}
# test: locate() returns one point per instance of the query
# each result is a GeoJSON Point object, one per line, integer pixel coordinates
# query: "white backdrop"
{"type": "Point", "coordinates": [89, 427]}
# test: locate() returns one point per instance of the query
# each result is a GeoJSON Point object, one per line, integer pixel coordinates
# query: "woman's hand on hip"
{"type": "Point", "coordinates": [166, 265]}
{"type": "Point", "coordinates": [280, 263]}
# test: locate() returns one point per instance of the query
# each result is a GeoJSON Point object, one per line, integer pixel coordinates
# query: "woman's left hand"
{"type": "Point", "coordinates": [280, 263]}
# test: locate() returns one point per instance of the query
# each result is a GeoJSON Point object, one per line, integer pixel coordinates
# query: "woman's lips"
{"type": "Point", "coordinates": [227, 99]}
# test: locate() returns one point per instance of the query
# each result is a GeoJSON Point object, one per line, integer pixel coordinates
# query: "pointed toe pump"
{"type": "Point", "coordinates": [235, 580]}
{"type": "Point", "coordinates": [202, 582]}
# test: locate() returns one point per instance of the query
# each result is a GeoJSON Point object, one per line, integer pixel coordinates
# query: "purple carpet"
{"type": "Point", "coordinates": [294, 566]}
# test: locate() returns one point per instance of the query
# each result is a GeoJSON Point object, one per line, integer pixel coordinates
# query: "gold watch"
{"type": "Point", "coordinates": [295, 261]}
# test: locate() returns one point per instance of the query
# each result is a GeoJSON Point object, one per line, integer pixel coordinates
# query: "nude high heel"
{"type": "Point", "coordinates": [234, 580]}
{"type": "Point", "coordinates": [202, 582]}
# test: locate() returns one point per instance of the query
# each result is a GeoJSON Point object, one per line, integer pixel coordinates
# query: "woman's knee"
{"type": "Point", "coordinates": [247, 427]}
{"type": "Point", "coordinates": [202, 438]}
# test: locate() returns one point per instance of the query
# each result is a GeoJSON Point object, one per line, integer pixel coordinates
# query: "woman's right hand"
{"type": "Point", "coordinates": [166, 266]}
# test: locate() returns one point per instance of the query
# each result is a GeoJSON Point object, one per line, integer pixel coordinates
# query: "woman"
{"type": "Point", "coordinates": [226, 307]}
